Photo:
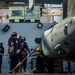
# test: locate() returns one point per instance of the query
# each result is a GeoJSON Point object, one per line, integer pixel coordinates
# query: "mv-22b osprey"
{"type": "Point", "coordinates": [58, 42]}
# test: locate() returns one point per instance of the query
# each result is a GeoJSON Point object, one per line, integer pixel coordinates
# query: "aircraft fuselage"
{"type": "Point", "coordinates": [59, 41]}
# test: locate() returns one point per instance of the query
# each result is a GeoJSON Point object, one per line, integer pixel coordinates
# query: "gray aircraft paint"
{"type": "Point", "coordinates": [55, 40]}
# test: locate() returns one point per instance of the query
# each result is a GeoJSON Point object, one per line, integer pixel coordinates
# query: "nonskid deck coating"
{"type": "Point", "coordinates": [35, 74]}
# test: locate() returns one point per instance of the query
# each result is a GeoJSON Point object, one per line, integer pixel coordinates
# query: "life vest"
{"type": "Point", "coordinates": [23, 49]}
{"type": "Point", "coordinates": [13, 42]}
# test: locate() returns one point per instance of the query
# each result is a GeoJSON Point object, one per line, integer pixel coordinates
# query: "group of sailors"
{"type": "Point", "coordinates": [17, 50]}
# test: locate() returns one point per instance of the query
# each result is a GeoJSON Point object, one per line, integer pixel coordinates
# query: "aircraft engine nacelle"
{"type": "Point", "coordinates": [52, 39]}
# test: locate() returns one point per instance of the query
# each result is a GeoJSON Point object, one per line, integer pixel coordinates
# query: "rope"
{"type": "Point", "coordinates": [3, 54]}
{"type": "Point", "coordinates": [22, 60]}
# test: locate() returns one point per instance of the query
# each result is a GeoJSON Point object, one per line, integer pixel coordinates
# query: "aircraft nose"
{"type": "Point", "coordinates": [47, 46]}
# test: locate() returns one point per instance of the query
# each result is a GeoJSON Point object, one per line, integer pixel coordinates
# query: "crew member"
{"type": "Point", "coordinates": [21, 51]}
{"type": "Point", "coordinates": [13, 50]}
{"type": "Point", "coordinates": [39, 61]}
{"type": "Point", "coordinates": [25, 50]}
{"type": "Point", "coordinates": [1, 54]}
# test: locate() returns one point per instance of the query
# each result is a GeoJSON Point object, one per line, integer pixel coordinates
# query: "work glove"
{"type": "Point", "coordinates": [11, 49]}
{"type": "Point", "coordinates": [18, 51]}
{"type": "Point", "coordinates": [9, 52]}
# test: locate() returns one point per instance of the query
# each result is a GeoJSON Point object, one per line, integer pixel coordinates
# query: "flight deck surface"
{"type": "Point", "coordinates": [36, 74]}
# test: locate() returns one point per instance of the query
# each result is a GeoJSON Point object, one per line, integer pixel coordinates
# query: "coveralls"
{"type": "Point", "coordinates": [13, 47]}
{"type": "Point", "coordinates": [1, 56]}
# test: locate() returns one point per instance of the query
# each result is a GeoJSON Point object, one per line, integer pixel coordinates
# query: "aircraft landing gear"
{"type": "Point", "coordinates": [45, 65]}
{"type": "Point", "coordinates": [49, 65]}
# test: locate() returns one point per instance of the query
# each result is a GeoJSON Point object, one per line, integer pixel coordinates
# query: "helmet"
{"type": "Point", "coordinates": [24, 39]}
{"type": "Point", "coordinates": [14, 34]}
{"type": "Point", "coordinates": [1, 43]}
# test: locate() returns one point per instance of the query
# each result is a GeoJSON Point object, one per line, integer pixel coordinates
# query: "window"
{"type": "Point", "coordinates": [16, 12]}
{"type": "Point", "coordinates": [30, 14]}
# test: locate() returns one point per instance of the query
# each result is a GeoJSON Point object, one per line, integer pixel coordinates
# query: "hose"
{"type": "Point", "coordinates": [22, 61]}
{"type": "Point", "coordinates": [5, 54]}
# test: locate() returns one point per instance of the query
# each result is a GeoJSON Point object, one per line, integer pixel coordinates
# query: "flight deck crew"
{"type": "Point", "coordinates": [21, 51]}
{"type": "Point", "coordinates": [25, 50]}
{"type": "Point", "coordinates": [2, 52]}
{"type": "Point", "coordinates": [13, 50]}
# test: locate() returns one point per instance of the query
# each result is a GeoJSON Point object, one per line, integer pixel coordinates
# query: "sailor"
{"type": "Point", "coordinates": [21, 51]}
{"type": "Point", "coordinates": [40, 60]}
{"type": "Point", "coordinates": [1, 54]}
{"type": "Point", "coordinates": [25, 51]}
{"type": "Point", "coordinates": [13, 50]}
